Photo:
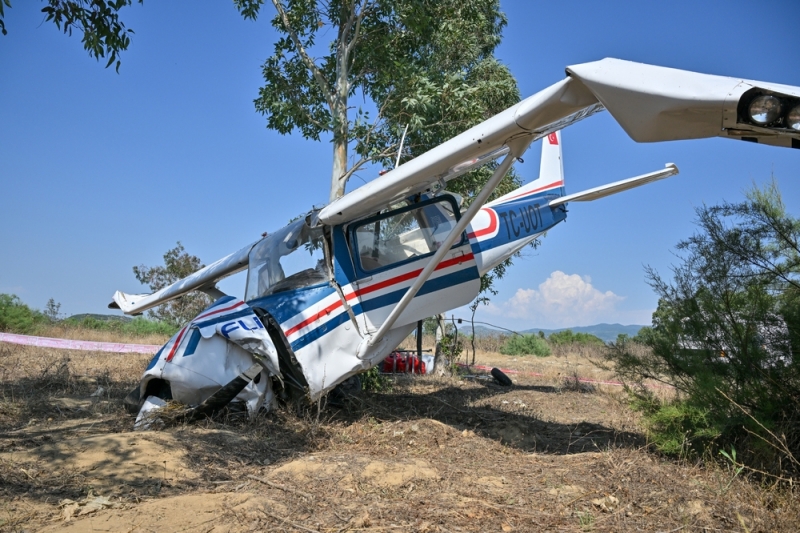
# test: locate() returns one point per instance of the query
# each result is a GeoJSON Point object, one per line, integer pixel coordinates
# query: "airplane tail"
{"type": "Point", "coordinates": [507, 224]}
{"type": "Point", "coordinates": [551, 172]}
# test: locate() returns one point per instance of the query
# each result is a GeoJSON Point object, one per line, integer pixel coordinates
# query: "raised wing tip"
{"type": "Point", "coordinates": [128, 302]}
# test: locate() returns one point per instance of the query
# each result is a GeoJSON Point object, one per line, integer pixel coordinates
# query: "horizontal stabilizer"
{"type": "Point", "coordinates": [617, 186]}
{"type": "Point", "coordinates": [204, 279]}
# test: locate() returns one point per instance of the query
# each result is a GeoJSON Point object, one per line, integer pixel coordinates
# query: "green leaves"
{"type": "Point", "coordinates": [98, 20]}
{"type": "Point", "coordinates": [3, 5]}
{"type": "Point", "coordinates": [177, 265]}
{"type": "Point", "coordinates": [16, 317]}
{"type": "Point", "coordinates": [103, 32]}
{"type": "Point", "coordinates": [248, 8]}
{"type": "Point", "coordinates": [525, 345]}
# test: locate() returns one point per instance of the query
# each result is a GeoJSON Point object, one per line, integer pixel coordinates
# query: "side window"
{"type": "Point", "coordinates": [404, 234]}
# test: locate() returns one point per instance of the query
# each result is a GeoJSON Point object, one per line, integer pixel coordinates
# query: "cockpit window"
{"type": "Point", "coordinates": [291, 258]}
{"type": "Point", "coordinates": [404, 234]}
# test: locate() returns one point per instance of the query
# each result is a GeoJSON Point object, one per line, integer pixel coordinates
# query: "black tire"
{"type": "Point", "coordinates": [501, 378]}
{"type": "Point", "coordinates": [133, 401]}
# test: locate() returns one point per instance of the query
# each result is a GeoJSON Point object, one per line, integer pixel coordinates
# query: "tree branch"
{"type": "Point", "coordinates": [386, 152]}
{"type": "Point", "coordinates": [315, 71]}
{"type": "Point", "coordinates": [352, 44]}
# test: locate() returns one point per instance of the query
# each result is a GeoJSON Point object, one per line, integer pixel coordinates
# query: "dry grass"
{"type": "Point", "coordinates": [432, 454]}
{"type": "Point", "coordinates": [72, 332]}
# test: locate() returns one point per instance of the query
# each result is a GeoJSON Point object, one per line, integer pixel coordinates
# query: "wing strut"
{"type": "Point", "coordinates": [517, 147]}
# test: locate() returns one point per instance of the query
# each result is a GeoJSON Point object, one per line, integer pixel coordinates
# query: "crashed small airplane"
{"type": "Point", "coordinates": [334, 292]}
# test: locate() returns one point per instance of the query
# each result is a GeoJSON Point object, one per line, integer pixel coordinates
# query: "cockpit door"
{"type": "Point", "coordinates": [388, 252]}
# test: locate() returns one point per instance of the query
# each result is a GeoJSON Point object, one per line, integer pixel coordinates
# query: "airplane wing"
{"type": "Point", "coordinates": [654, 104]}
{"type": "Point", "coordinates": [549, 110]}
{"type": "Point", "coordinates": [203, 279]}
{"type": "Point", "coordinates": [651, 103]}
{"type": "Point", "coordinates": [617, 186]}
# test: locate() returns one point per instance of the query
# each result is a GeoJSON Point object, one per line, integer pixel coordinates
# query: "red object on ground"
{"type": "Point", "coordinates": [401, 362]}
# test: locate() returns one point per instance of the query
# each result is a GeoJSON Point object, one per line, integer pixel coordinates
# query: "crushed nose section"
{"type": "Point", "coordinates": [224, 354]}
{"type": "Point", "coordinates": [226, 394]}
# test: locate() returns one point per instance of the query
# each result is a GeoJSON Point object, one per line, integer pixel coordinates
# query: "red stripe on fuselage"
{"type": "Point", "coordinates": [214, 312]}
{"type": "Point", "coordinates": [485, 231]}
{"type": "Point", "coordinates": [175, 346]}
{"type": "Point", "coordinates": [559, 183]}
{"type": "Point", "coordinates": [372, 288]}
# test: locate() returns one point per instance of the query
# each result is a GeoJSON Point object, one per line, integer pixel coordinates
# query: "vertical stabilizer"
{"type": "Point", "coordinates": [551, 169]}
{"type": "Point", "coordinates": [551, 172]}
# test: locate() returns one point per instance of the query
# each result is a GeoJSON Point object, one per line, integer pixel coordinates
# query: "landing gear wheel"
{"type": "Point", "coordinates": [501, 378]}
{"type": "Point", "coordinates": [133, 401]}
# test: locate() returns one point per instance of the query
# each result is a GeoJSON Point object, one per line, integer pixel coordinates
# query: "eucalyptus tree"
{"type": "Point", "coordinates": [419, 64]}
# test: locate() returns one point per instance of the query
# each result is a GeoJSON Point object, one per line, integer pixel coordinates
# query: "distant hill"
{"type": "Point", "coordinates": [607, 332]}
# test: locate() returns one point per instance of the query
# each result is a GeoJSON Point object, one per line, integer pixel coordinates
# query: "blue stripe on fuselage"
{"type": "Point", "coordinates": [223, 318]}
{"type": "Point", "coordinates": [443, 282]}
{"type": "Point", "coordinates": [223, 300]}
{"type": "Point", "coordinates": [521, 219]}
{"type": "Point", "coordinates": [194, 340]}
{"type": "Point", "coordinates": [285, 305]}
{"type": "Point", "coordinates": [154, 360]}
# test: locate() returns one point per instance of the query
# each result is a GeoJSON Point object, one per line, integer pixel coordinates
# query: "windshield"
{"type": "Point", "coordinates": [290, 258]}
{"type": "Point", "coordinates": [403, 234]}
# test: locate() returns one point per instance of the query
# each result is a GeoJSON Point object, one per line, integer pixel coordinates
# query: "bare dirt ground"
{"type": "Point", "coordinates": [431, 454]}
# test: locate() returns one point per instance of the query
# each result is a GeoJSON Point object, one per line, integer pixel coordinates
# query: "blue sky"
{"type": "Point", "coordinates": [102, 171]}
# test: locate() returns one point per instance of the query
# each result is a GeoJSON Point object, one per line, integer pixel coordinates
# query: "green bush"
{"type": "Point", "coordinates": [726, 334]}
{"type": "Point", "coordinates": [452, 347]}
{"type": "Point", "coordinates": [16, 317]}
{"type": "Point", "coordinates": [568, 337]}
{"type": "Point", "coordinates": [372, 380]}
{"type": "Point", "coordinates": [677, 428]}
{"type": "Point", "coordinates": [526, 345]}
{"type": "Point", "coordinates": [138, 327]}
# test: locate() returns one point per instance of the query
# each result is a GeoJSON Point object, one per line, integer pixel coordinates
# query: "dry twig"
{"type": "Point", "coordinates": [281, 487]}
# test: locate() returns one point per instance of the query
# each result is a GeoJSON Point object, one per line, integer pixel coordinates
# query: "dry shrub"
{"type": "Point", "coordinates": [490, 343]}
{"type": "Point", "coordinates": [574, 383]}
{"type": "Point", "coordinates": [589, 351]}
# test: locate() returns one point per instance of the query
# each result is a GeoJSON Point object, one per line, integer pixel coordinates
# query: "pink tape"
{"type": "Point", "coordinates": [69, 344]}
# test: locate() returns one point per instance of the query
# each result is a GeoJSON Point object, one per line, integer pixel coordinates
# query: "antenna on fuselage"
{"type": "Point", "coordinates": [400, 150]}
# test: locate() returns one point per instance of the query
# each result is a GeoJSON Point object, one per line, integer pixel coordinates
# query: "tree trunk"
{"type": "Point", "coordinates": [339, 112]}
{"type": "Point", "coordinates": [440, 362]}
{"type": "Point", "coordinates": [339, 168]}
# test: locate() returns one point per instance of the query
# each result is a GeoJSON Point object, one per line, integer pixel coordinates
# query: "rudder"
{"type": "Point", "coordinates": [551, 172]}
